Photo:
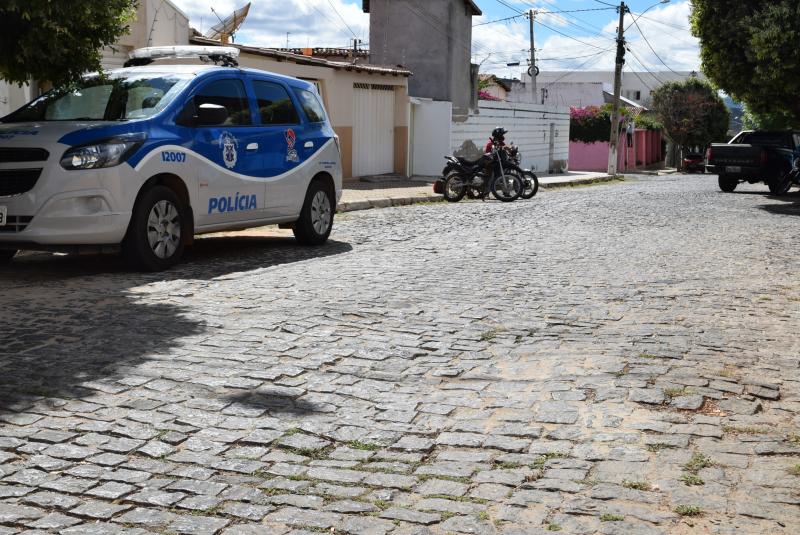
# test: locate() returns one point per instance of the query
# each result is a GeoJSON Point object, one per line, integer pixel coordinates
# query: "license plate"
{"type": "Point", "coordinates": [3, 215]}
{"type": "Point", "coordinates": [733, 169]}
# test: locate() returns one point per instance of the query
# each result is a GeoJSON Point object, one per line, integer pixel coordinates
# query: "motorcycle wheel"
{"type": "Point", "coordinates": [508, 188]}
{"type": "Point", "coordinates": [454, 188]}
{"type": "Point", "coordinates": [530, 185]}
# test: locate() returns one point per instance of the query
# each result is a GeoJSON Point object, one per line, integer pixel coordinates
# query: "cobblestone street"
{"type": "Point", "coordinates": [620, 358]}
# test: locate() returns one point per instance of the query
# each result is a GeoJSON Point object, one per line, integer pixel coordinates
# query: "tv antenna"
{"type": "Point", "coordinates": [224, 31]}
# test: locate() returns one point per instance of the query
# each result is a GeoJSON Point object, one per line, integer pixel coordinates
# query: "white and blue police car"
{"type": "Point", "coordinates": [145, 157]}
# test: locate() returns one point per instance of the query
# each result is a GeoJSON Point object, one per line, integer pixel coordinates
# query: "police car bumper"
{"type": "Point", "coordinates": [82, 217]}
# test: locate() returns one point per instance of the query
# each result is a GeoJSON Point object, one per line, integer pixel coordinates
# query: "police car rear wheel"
{"type": "Point", "coordinates": [316, 219]}
{"type": "Point", "coordinates": [154, 240]}
{"type": "Point", "coordinates": [6, 255]}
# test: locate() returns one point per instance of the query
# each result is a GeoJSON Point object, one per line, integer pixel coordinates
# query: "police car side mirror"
{"type": "Point", "coordinates": [211, 115]}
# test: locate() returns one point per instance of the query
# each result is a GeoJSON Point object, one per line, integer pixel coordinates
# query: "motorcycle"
{"type": "Point", "coordinates": [492, 172]}
{"type": "Point", "coordinates": [530, 181]}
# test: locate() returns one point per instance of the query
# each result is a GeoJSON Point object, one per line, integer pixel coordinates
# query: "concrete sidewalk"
{"type": "Point", "coordinates": [395, 191]}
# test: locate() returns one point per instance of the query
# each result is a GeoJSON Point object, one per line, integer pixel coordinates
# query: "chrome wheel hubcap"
{"type": "Point", "coordinates": [321, 213]}
{"type": "Point", "coordinates": [164, 229]}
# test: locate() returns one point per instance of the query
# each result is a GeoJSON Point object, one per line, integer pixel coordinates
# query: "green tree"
{"type": "Point", "coordinates": [750, 49]}
{"type": "Point", "coordinates": [692, 112]}
{"type": "Point", "coordinates": [58, 40]}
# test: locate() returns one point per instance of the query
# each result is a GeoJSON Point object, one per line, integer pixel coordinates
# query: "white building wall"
{"type": "Point", "coordinates": [541, 132]}
{"type": "Point", "coordinates": [569, 94]}
{"type": "Point", "coordinates": [643, 82]}
{"type": "Point", "coordinates": [430, 136]}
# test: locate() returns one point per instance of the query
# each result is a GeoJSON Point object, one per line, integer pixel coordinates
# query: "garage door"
{"type": "Point", "coordinates": [373, 129]}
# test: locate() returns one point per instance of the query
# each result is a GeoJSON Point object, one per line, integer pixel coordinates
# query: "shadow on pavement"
{"type": "Point", "coordinates": [275, 402]}
{"type": "Point", "coordinates": [791, 204]}
{"type": "Point", "coordinates": [71, 324]}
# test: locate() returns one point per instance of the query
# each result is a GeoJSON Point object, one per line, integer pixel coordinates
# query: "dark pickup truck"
{"type": "Point", "coordinates": [754, 156]}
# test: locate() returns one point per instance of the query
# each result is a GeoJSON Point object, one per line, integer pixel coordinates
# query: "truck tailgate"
{"type": "Point", "coordinates": [724, 155]}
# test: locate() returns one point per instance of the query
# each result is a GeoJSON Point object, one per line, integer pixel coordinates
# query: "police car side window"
{"type": "Point", "coordinates": [274, 104]}
{"type": "Point", "coordinates": [229, 93]}
{"type": "Point", "coordinates": [314, 110]}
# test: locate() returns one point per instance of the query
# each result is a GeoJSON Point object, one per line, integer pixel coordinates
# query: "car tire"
{"type": "Point", "coordinates": [727, 184]}
{"type": "Point", "coordinates": [6, 255]}
{"type": "Point", "coordinates": [154, 241]}
{"type": "Point", "coordinates": [780, 184]}
{"type": "Point", "coordinates": [316, 218]}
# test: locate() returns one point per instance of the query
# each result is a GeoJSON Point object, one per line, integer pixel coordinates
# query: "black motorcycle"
{"type": "Point", "coordinates": [530, 181]}
{"type": "Point", "coordinates": [493, 172]}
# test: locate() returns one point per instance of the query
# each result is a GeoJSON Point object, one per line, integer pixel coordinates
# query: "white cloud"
{"type": "Point", "coordinates": [309, 22]}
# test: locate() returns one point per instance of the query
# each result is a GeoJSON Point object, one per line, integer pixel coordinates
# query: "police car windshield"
{"type": "Point", "coordinates": [120, 97]}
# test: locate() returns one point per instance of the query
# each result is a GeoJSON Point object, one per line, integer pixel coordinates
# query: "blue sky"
{"type": "Point", "coordinates": [566, 41]}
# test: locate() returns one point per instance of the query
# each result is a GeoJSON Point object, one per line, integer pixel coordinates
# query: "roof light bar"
{"type": "Point", "coordinates": [226, 55]}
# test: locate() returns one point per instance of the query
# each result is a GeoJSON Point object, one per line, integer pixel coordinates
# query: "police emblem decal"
{"type": "Point", "coordinates": [291, 152]}
{"type": "Point", "coordinates": [229, 145]}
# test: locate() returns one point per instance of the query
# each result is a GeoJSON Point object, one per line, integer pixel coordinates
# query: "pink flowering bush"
{"type": "Point", "coordinates": [484, 95]}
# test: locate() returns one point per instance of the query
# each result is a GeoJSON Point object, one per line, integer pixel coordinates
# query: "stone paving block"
{"type": "Point", "coordinates": [407, 515]}
{"type": "Point", "coordinates": [111, 490]}
{"type": "Point", "coordinates": [13, 513]}
{"type": "Point", "coordinates": [197, 525]}
{"type": "Point", "coordinates": [98, 509]}
{"type": "Point", "coordinates": [431, 487]}
{"type": "Point", "coordinates": [302, 517]}
{"type": "Point", "coordinates": [54, 521]}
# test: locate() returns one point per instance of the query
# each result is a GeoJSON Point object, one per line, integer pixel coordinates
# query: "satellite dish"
{"type": "Point", "coordinates": [223, 32]}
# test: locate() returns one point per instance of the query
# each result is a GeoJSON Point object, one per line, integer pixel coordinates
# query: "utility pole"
{"type": "Point", "coordinates": [356, 42]}
{"type": "Point", "coordinates": [612, 149]}
{"type": "Point", "coordinates": [532, 68]}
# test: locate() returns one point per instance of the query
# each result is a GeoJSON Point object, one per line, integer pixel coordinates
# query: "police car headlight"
{"type": "Point", "coordinates": [107, 153]}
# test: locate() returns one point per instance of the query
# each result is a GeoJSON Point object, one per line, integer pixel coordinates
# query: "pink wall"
{"type": "Point", "coordinates": [594, 156]}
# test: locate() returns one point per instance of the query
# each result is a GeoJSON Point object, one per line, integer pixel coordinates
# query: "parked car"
{"type": "Point", "coordinates": [694, 162]}
{"type": "Point", "coordinates": [144, 158]}
{"type": "Point", "coordinates": [755, 156]}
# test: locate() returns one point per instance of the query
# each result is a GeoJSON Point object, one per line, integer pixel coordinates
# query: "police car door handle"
{"type": "Point", "coordinates": [309, 145]}
{"type": "Point", "coordinates": [252, 147]}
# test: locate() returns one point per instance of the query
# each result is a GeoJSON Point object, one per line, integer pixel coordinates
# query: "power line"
{"type": "Point", "coordinates": [651, 48]}
{"type": "Point", "coordinates": [569, 36]}
{"type": "Point", "coordinates": [498, 20]}
{"type": "Point", "coordinates": [642, 63]}
{"type": "Point", "coordinates": [342, 19]}
{"type": "Point", "coordinates": [509, 6]}
{"type": "Point", "coordinates": [578, 68]}
{"type": "Point", "coordinates": [590, 28]}
{"type": "Point", "coordinates": [666, 23]}
{"type": "Point", "coordinates": [315, 8]}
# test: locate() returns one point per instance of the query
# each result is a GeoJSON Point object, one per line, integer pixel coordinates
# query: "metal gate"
{"type": "Point", "coordinates": [373, 129]}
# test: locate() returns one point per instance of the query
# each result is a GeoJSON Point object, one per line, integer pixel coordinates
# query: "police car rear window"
{"type": "Point", "coordinates": [311, 105]}
{"type": "Point", "coordinates": [274, 104]}
{"type": "Point", "coordinates": [99, 98]}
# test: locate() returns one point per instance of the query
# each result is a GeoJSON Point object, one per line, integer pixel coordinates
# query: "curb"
{"type": "Point", "coordinates": [579, 182]}
{"type": "Point", "coordinates": [386, 202]}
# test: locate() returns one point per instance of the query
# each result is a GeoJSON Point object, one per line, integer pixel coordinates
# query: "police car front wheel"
{"type": "Point", "coordinates": [154, 240]}
{"type": "Point", "coordinates": [316, 218]}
